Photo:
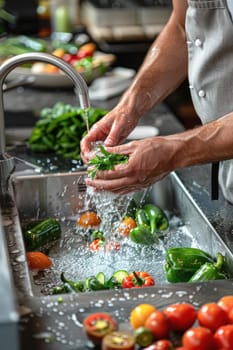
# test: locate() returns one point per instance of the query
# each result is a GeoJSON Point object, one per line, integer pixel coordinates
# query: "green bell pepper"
{"type": "Point", "coordinates": [157, 218]}
{"type": "Point", "coordinates": [141, 217]}
{"type": "Point", "coordinates": [210, 271]}
{"type": "Point", "coordinates": [142, 235]}
{"type": "Point", "coordinates": [62, 289]}
{"type": "Point", "coordinates": [75, 286]}
{"type": "Point", "coordinates": [182, 262]}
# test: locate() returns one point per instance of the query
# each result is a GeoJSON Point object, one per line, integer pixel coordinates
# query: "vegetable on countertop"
{"type": "Point", "coordinates": [44, 232]}
{"type": "Point", "coordinates": [60, 129]}
{"type": "Point", "coordinates": [210, 271]}
{"type": "Point", "coordinates": [97, 325]}
{"type": "Point", "coordinates": [105, 160]}
{"type": "Point", "coordinates": [143, 336]}
{"type": "Point", "coordinates": [118, 341]}
{"type": "Point", "coordinates": [15, 45]}
{"type": "Point", "coordinates": [182, 262]}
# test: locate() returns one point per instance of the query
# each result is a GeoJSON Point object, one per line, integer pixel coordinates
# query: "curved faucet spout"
{"type": "Point", "coordinates": [79, 83]}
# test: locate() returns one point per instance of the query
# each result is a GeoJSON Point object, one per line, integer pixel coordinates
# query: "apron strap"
{"type": "Point", "coordinates": [214, 180]}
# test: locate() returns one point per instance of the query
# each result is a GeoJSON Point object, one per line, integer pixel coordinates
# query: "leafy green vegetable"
{"type": "Point", "coordinates": [15, 45]}
{"type": "Point", "coordinates": [60, 129]}
{"type": "Point", "coordinates": [105, 161]}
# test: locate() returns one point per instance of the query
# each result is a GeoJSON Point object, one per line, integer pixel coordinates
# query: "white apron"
{"type": "Point", "coordinates": [209, 28]}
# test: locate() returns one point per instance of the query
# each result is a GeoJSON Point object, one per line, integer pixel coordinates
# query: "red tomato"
{"type": "Point", "coordinates": [199, 338]}
{"type": "Point", "coordinates": [38, 261]}
{"type": "Point", "coordinates": [226, 303]}
{"type": "Point", "coordinates": [97, 244]}
{"type": "Point", "coordinates": [163, 344]}
{"type": "Point", "coordinates": [230, 316]}
{"type": "Point", "coordinates": [180, 316]}
{"type": "Point", "coordinates": [97, 325]}
{"type": "Point", "coordinates": [212, 316]}
{"type": "Point", "coordinates": [158, 324]}
{"type": "Point", "coordinates": [224, 337]}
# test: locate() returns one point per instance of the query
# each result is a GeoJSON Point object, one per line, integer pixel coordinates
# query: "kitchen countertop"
{"type": "Point", "coordinates": [46, 319]}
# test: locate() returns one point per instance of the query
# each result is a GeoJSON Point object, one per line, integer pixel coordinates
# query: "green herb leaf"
{"type": "Point", "coordinates": [105, 161]}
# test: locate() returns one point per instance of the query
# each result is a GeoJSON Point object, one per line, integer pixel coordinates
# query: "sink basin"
{"type": "Point", "coordinates": [64, 196]}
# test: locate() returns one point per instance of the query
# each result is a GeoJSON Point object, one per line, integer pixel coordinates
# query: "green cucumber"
{"type": "Point", "coordinates": [100, 277]}
{"type": "Point", "coordinates": [120, 275]}
{"type": "Point", "coordinates": [42, 233]}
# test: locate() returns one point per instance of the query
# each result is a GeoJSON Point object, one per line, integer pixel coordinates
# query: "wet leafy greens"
{"type": "Point", "coordinates": [105, 160]}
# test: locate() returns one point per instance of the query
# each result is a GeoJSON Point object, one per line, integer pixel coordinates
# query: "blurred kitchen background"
{"type": "Point", "coordinates": [125, 28]}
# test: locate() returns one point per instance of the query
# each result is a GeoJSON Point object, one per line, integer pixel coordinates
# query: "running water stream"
{"type": "Point", "coordinates": [73, 256]}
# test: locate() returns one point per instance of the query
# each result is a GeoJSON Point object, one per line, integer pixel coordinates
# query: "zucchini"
{"type": "Point", "coordinates": [41, 234]}
{"type": "Point", "coordinates": [120, 275]}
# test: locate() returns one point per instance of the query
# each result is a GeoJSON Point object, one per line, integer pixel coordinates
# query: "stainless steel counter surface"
{"type": "Point", "coordinates": [47, 324]}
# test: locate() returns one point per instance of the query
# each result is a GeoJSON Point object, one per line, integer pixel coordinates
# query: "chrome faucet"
{"type": "Point", "coordinates": [80, 87]}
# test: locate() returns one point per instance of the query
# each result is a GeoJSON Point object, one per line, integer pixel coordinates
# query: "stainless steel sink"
{"type": "Point", "coordinates": [63, 196]}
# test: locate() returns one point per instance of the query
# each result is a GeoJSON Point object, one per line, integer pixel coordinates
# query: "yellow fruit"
{"type": "Point", "coordinates": [139, 315]}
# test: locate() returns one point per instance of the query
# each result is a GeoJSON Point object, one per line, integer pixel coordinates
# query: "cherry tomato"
{"type": "Point", "coordinates": [199, 338]}
{"type": "Point", "coordinates": [139, 315]}
{"type": "Point", "coordinates": [118, 340]}
{"type": "Point", "coordinates": [224, 337]}
{"type": "Point", "coordinates": [212, 316]}
{"type": "Point", "coordinates": [230, 316]}
{"type": "Point", "coordinates": [162, 344]}
{"type": "Point", "coordinates": [89, 219]}
{"type": "Point", "coordinates": [181, 316]}
{"type": "Point", "coordinates": [157, 322]}
{"type": "Point", "coordinates": [97, 325]}
{"type": "Point", "coordinates": [126, 225]}
{"type": "Point", "coordinates": [226, 303]}
{"type": "Point", "coordinates": [38, 260]}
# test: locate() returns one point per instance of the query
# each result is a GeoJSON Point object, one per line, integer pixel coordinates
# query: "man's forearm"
{"type": "Point", "coordinates": [208, 143]}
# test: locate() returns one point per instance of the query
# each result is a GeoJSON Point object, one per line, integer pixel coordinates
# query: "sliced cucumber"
{"type": "Point", "coordinates": [100, 277]}
{"type": "Point", "coordinates": [120, 275]}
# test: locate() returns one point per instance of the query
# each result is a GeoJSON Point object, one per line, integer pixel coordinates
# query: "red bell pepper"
{"type": "Point", "coordinates": [138, 280]}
